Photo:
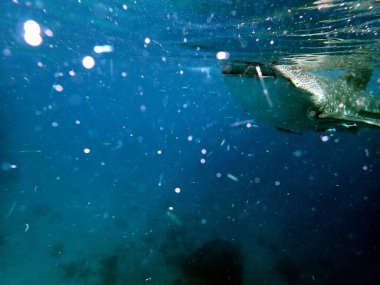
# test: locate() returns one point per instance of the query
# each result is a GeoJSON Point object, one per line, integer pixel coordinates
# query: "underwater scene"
{"type": "Point", "coordinates": [189, 142]}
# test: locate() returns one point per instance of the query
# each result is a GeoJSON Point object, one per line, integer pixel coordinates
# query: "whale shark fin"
{"type": "Point", "coordinates": [358, 119]}
{"type": "Point", "coordinates": [358, 78]}
{"type": "Point", "coordinates": [248, 69]}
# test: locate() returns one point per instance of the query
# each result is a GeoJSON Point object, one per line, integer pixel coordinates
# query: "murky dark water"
{"type": "Point", "coordinates": [145, 169]}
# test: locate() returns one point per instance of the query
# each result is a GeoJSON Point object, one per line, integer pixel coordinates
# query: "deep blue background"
{"type": "Point", "coordinates": [322, 219]}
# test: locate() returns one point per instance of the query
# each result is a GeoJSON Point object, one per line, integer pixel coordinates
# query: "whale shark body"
{"type": "Point", "coordinates": [297, 100]}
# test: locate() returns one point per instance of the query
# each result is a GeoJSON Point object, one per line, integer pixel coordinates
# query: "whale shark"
{"type": "Point", "coordinates": [297, 100]}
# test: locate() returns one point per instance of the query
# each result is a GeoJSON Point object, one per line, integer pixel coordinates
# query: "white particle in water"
{"type": "Point", "coordinates": [5, 166]}
{"type": "Point", "coordinates": [142, 108]}
{"type": "Point", "coordinates": [48, 32]}
{"type": "Point", "coordinates": [324, 138]}
{"type": "Point", "coordinates": [58, 87]}
{"type": "Point", "coordinates": [32, 35]}
{"type": "Point", "coordinates": [88, 62]}
{"type": "Point", "coordinates": [222, 55]}
{"type": "Point", "coordinates": [233, 177]}
{"type": "Point", "coordinates": [103, 49]}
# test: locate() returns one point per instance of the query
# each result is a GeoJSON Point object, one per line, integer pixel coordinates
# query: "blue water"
{"type": "Point", "coordinates": [90, 174]}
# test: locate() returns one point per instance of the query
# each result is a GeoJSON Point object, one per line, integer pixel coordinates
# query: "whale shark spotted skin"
{"type": "Point", "coordinates": [297, 100]}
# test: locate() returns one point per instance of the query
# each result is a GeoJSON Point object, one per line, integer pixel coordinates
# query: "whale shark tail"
{"type": "Point", "coordinates": [340, 102]}
{"type": "Point", "coordinates": [368, 106]}
{"type": "Point", "coordinates": [344, 99]}
{"type": "Point", "coordinates": [366, 110]}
